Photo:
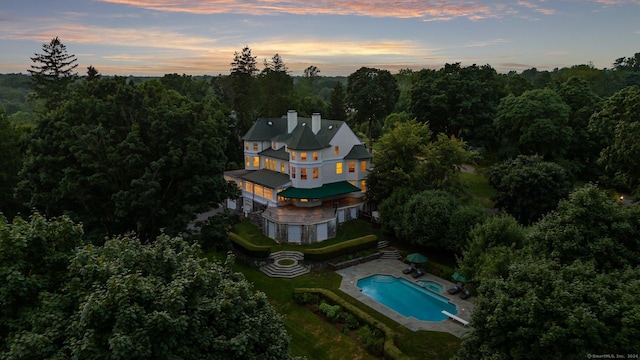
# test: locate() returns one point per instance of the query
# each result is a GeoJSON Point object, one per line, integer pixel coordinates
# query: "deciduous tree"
{"type": "Point", "coordinates": [534, 123]}
{"type": "Point", "coordinates": [372, 93]}
{"type": "Point", "coordinates": [122, 157]}
{"type": "Point", "coordinates": [529, 187]}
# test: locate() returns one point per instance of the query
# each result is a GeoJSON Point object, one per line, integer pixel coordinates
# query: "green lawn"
{"type": "Point", "coordinates": [310, 335]}
{"type": "Point", "coordinates": [477, 186]}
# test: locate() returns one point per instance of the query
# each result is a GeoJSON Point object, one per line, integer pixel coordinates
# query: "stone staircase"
{"type": "Point", "coordinates": [388, 254]}
{"type": "Point", "coordinates": [277, 270]}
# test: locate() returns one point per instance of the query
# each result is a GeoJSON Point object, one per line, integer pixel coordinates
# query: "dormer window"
{"type": "Point", "coordinates": [336, 150]}
{"type": "Point", "coordinates": [274, 144]}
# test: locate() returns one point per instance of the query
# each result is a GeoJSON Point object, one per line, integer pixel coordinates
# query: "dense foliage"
{"type": "Point", "coordinates": [125, 300]}
{"type": "Point", "coordinates": [121, 157]}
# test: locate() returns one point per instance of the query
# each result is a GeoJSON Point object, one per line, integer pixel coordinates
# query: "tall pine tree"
{"type": "Point", "coordinates": [52, 72]}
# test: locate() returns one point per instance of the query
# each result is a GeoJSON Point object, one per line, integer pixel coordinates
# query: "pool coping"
{"type": "Point", "coordinates": [351, 275]}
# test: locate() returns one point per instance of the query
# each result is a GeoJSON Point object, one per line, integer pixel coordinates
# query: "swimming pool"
{"type": "Point", "coordinates": [406, 298]}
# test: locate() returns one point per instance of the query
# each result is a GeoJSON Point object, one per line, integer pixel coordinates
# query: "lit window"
{"type": "Point", "coordinates": [248, 186]}
{"type": "Point", "coordinates": [303, 173]}
{"type": "Point", "coordinates": [282, 166]}
{"type": "Point", "coordinates": [304, 200]}
{"type": "Point", "coordinates": [352, 166]}
{"type": "Point", "coordinates": [258, 190]}
{"type": "Point", "coordinates": [255, 146]}
{"type": "Point", "coordinates": [339, 168]}
{"type": "Point", "coordinates": [303, 156]}
{"type": "Point", "coordinates": [268, 193]}
{"type": "Point", "coordinates": [293, 172]}
{"type": "Point", "coordinates": [336, 150]}
{"type": "Point", "coordinates": [247, 163]}
{"type": "Point", "coordinates": [315, 156]}
{"type": "Point", "coordinates": [246, 145]}
{"type": "Point", "coordinates": [273, 144]}
{"type": "Point", "coordinates": [363, 185]}
{"type": "Point", "coordinates": [256, 161]}
{"type": "Point", "coordinates": [315, 173]}
{"type": "Point", "coordinates": [363, 166]}
{"type": "Point", "coordinates": [293, 155]}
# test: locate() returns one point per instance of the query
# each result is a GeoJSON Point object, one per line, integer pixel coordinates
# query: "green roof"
{"type": "Point", "coordinates": [358, 152]}
{"type": "Point", "coordinates": [268, 178]}
{"type": "Point", "coordinates": [325, 191]}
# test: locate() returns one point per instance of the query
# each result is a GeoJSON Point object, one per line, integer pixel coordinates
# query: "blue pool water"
{"type": "Point", "coordinates": [431, 285]}
{"type": "Point", "coordinates": [406, 298]}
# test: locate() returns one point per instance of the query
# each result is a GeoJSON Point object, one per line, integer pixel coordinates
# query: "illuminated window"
{"type": "Point", "coordinates": [339, 168]}
{"type": "Point", "coordinates": [304, 200]}
{"type": "Point", "coordinates": [352, 182]}
{"type": "Point", "coordinates": [303, 156]}
{"type": "Point", "coordinates": [273, 144]}
{"type": "Point", "coordinates": [255, 146]}
{"type": "Point", "coordinates": [282, 166]}
{"type": "Point", "coordinates": [352, 166]}
{"type": "Point", "coordinates": [315, 173]}
{"type": "Point", "coordinates": [268, 193]}
{"type": "Point", "coordinates": [246, 145]}
{"type": "Point", "coordinates": [363, 166]}
{"type": "Point", "coordinates": [315, 156]}
{"type": "Point", "coordinates": [293, 172]}
{"type": "Point", "coordinates": [293, 155]}
{"type": "Point", "coordinates": [336, 150]}
{"type": "Point", "coordinates": [303, 173]}
{"type": "Point", "coordinates": [363, 185]}
{"type": "Point", "coordinates": [247, 163]}
{"type": "Point", "coordinates": [248, 186]}
{"type": "Point", "coordinates": [258, 190]}
{"type": "Point", "coordinates": [256, 161]}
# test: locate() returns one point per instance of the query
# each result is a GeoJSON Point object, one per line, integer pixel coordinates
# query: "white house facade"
{"type": "Point", "coordinates": [302, 176]}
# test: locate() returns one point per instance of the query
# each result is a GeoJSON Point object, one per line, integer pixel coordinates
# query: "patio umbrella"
{"type": "Point", "coordinates": [417, 258]}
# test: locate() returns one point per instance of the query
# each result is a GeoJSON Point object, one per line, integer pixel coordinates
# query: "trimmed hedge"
{"type": "Point", "coordinates": [391, 351]}
{"type": "Point", "coordinates": [343, 248]}
{"type": "Point", "coordinates": [247, 247]}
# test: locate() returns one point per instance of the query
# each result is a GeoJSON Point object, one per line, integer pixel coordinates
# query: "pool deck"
{"type": "Point", "coordinates": [352, 274]}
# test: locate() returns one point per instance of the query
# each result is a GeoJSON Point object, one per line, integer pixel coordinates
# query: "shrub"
{"type": "Point", "coordinates": [372, 340]}
{"type": "Point", "coordinates": [343, 248]}
{"type": "Point", "coordinates": [249, 248]}
{"type": "Point", "coordinates": [331, 311]}
{"type": "Point", "coordinates": [306, 298]}
{"type": "Point", "coordinates": [348, 319]}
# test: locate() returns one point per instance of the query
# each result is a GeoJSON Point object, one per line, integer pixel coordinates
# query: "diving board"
{"type": "Point", "coordinates": [460, 320]}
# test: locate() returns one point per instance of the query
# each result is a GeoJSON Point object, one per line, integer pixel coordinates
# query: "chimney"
{"type": "Point", "coordinates": [292, 120]}
{"type": "Point", "coordinates": [316, 122]}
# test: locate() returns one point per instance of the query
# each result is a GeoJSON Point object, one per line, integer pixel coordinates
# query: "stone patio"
{"type": "Point", "coordinates": [351, 275]}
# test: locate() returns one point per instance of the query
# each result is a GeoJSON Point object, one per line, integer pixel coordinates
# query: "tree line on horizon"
{"type": "Point", "coordinates": [133, 160]}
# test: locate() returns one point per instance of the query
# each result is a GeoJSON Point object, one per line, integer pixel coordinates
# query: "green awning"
{"type": "Point", "coordinates": [325, 191]}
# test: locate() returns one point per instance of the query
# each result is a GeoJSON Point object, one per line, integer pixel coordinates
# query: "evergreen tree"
{"type": "Point", "coordinates": [244, 89]}
{"type": "Point", "coordinates": [337, 105]}
{"type": "Point", "coordinates": [52, 72]}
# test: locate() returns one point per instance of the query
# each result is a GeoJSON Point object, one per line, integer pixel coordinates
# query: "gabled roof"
{"type": "Point", "coordinates": [358, 152]}
{"type": "Point", "coordinates": [277, 154]}
{"type": "Point", "coordinates": [265, 129]}
{"type": "Point", "coordinates": [325, 191]}
{"type": "Point", "coordinates": [302, 138]}
{"type": "Point", "coordinates": [268, 178]}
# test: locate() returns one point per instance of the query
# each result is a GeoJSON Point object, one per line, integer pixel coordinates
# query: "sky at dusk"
{"type": "Point", "coordinates": [198, 37]}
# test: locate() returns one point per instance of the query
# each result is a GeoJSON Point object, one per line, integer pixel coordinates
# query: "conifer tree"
{"type": "Point", "coordinates": [52, 72]}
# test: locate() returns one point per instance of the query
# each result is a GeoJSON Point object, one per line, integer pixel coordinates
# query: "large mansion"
{"type": "Point", "coordinates": [302, 176]}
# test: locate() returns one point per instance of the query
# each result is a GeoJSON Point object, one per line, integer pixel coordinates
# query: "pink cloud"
{"type": "Point", "coordinates": [427, 10]}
